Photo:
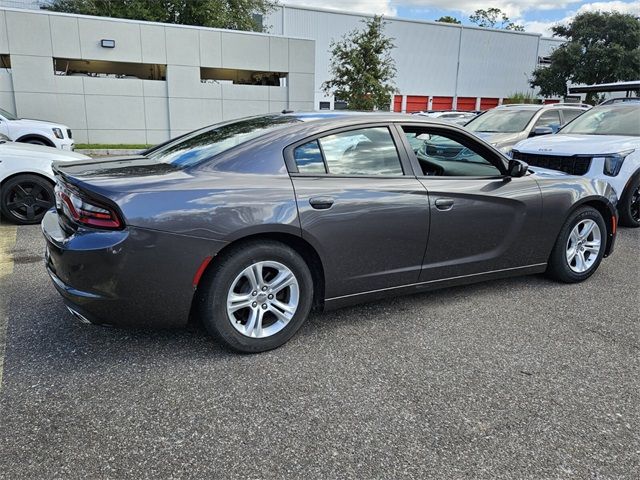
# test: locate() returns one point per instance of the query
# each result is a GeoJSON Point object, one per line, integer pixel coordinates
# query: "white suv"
{"type": "Point", "coordinates": [35, 131]}
{"type": "Point", "coordinates": [602, 143]}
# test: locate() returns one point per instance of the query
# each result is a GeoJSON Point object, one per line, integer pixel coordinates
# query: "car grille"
{"type": "Point", "coordinates": [574, 165]}
{"type": "Point", "coordinates": [69, 133]}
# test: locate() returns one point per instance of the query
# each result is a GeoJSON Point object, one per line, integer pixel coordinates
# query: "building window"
{"type": "Point", "coordinates": [104, 69]}
{"type": "Point", "coordinates": [544, 60]}
{"type": "Point", "coordinates": [5, 61]}
{"type": "Point", "coordinates": [243, 77]}
{"type": "Point", "coordinates": [325, 105]}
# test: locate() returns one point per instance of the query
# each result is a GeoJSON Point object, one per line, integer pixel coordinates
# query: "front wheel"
{"type": "Point", "coordinates": [26, 198]}
{"type": "Point", "coordinates": [629, 205]}
{"type": "Point", "coordinates": [257, 297]}
{"type": "Point", "coordinates": [580, 246]}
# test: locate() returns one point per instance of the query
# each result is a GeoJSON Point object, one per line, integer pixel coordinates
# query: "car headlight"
{"type": "Point", "coordinates": [613, 163]}
{"type": "Point", "coordinates": [57, 132]}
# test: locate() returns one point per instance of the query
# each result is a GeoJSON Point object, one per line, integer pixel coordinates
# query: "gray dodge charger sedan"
{"type": "Point", "coordinates": [247, 225]}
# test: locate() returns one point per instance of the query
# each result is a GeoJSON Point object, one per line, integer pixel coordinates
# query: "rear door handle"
{"type": "Point", "coordinates": [444, 203]}
{"type": "Point", "coordinates": [321, 203]}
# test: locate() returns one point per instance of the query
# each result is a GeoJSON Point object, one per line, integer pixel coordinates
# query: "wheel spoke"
{"type": "Point", "coordinates": [257, 271]}
{"type": "Point", "coordinates": [580, 263]}
{"type": "Point", "coordinates": [282, 280]}
{"type": "Point", "coordinates": [35, 190]}
{"type": "Point", "coordinates": [238, 302]}
{"type": "Point", "coordinates": [19, 189]}
{"type": "Point", "coordinates": [43, 203]}
{"type": "Point", "coordinates": [282, 316]}
{"type": "Point", "coordinates": [30, 212]}
{"type": "Point", "coordinates": [588, 228]}
{"type": "Point", "coordinates": [253, 328]}
{"type": "Point", "coordinates": [251, 276]}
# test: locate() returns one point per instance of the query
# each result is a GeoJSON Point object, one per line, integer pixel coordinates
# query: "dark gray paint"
{"type": "Point", "coordinates": [381, 236]}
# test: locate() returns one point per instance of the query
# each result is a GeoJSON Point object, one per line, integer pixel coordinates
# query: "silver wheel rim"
{"type": "Point", "coordinates": [583, 246]}
{"type": "Point", "coordinates": [263, 299]}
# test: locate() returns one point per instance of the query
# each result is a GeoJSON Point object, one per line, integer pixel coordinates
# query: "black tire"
{"type": "Point", "coordinates": [35, 141]}
{"type": "Point", "coordinates": [24, 199]}
{"type": "Point", "coordinates": [217, 284]}
{"type": "Point", "coordinates": [559, 267]}
{"type": "Point", "coordinates": [629, 204]}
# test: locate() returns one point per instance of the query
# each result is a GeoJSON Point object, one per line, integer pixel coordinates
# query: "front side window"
{"type": "Point", "coordinates": [570, 114]}
{"type": "Point", "coordinates": [442, 155]}
{"type": "Point", "coordinates": [502, 120]}
{"type": "Point", "coordinates": [550, 118]}
{"type": "Point", "coordinates": [607, 120]}
{"type": "Point", "coordinates": [367, 151]}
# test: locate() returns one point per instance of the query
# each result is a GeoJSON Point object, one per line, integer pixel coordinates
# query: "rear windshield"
{"type": "Point", "coordinates": [505, 120]}
{"type": "Point", "coordinates": [615, 119]}
{"type": "Point", "coordinates": [201, 145]}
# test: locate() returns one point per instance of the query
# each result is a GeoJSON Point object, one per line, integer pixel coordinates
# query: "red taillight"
{"type": "Point", "coordinates": [86, 211]}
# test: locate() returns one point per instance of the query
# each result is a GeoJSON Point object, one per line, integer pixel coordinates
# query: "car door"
{"type": "Point", "coordinates": [361, 207]}
{"type": "Point", "coordinates": [481, 219]}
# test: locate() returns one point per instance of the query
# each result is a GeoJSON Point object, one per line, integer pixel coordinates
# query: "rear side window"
{"type": "Point", "coordinates": [367, 151]}
{"type": "Point", "coordinates": [309, 158]}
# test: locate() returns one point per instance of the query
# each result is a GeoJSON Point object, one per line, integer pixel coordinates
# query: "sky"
{"type": "Point", "coordinates": [537, 16]}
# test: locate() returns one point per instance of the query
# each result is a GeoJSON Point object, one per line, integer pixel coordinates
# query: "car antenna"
{"type": "Point", "coordinates": [287, 111]}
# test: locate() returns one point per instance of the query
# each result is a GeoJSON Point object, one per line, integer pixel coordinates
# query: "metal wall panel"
{"type": "Point", "coordinates": [495, 63]}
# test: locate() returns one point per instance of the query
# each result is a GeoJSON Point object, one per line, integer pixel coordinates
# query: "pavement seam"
{"type": "Point", "coordinates": [8, 234]}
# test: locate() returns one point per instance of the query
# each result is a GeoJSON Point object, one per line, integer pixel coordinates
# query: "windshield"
{"type": "Point", "coordinates": [501, 121]}
{"type": "Point", "coordinates": [8, 115]}
{"type": "Point", "coordinates": [201, 145]}
{"type": "Point", "coordinates": [616, 119]}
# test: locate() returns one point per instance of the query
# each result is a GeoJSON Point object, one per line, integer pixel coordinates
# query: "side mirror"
{"type": "Point", "coordinates": [517, 168]}
{"type": "Point", "coordinates": [541, 131]}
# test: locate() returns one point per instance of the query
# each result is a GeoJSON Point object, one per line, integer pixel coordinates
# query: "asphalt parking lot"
{"type": "Point", "coordinates": [521, 378]}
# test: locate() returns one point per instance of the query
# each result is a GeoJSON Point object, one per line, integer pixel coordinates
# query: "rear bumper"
{"type": "Point", "coordinates": [131, 277]}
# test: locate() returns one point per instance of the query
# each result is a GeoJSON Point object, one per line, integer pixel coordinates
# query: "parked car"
{"type": "Point", "coordinates": [604, 143]}
{"type": "Point", "coordinates": [37, 132]}
{"type": "Point", "coordinates": [26, 179]}
{"type": "Point", "coordinates": [506, 125]}
{"type": "Point", "coordinates": [451, 116]}
{"type": "Point", "coordinates": [620, 100]}
{"type": "Point", "coordinates": [247, 225]}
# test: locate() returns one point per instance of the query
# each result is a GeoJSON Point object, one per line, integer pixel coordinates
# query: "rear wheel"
{"type": "Point", "coordinates": [580, 246]}
{"type": "Point", "coordinates": [258, 297]}
{"type": "Point", "coordinates": [26, 198]}
{"type": "Point", "coordinates": [629, 205]}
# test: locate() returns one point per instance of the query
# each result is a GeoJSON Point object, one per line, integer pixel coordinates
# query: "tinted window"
{"type": "Point", "coordinates": [504, 120]}
{"type": "Point", "coordinates": [368, 151]}
{"type": "Point", "coordinates": [309, 158]}
{"type": "Point", "coordinates": [441, 155]}
{"type": "Point", "coordinates": [571, 114]}
{"type": "Point", "coordinates": [550, 118]}
{"type": "Point", "coordinates": [617, 119]}
{"type": "Point", "coordinates": [202, 145]}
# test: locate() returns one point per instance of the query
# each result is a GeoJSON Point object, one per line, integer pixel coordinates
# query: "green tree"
{"type": "Point", "coordinates": [362, 70]}
{"type": "Point", "coordinates": [449, 19]}
{"type": "Point", "coordinates": [601, 47]}
{"type": "Point", "coordinates": [231, 14]}
{"type": "Point", "coordinates": [494, 18]}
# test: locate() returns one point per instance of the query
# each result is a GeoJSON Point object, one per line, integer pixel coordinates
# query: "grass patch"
{"type": "Point", "coordinates": [105, 146]}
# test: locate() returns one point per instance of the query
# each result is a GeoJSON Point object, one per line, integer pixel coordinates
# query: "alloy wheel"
{"type": "Point", "coordinates": [28, 200]}
{"type": "Point", "coordinates": [263, 299]}
{"type": "Point", "coordinates": [583, 245]}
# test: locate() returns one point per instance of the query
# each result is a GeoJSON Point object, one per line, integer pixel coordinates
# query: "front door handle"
{"type": "Point", "coordinates": [321, 203]}
{"type": "Point", "coordinates": [444, 203]}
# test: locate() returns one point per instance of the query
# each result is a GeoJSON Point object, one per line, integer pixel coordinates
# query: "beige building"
{"type": "Point", "coordinates": [113, 80]}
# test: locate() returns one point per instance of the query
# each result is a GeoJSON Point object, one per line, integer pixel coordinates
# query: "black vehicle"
{"type": "Point", "coordinates": [247, 225]}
